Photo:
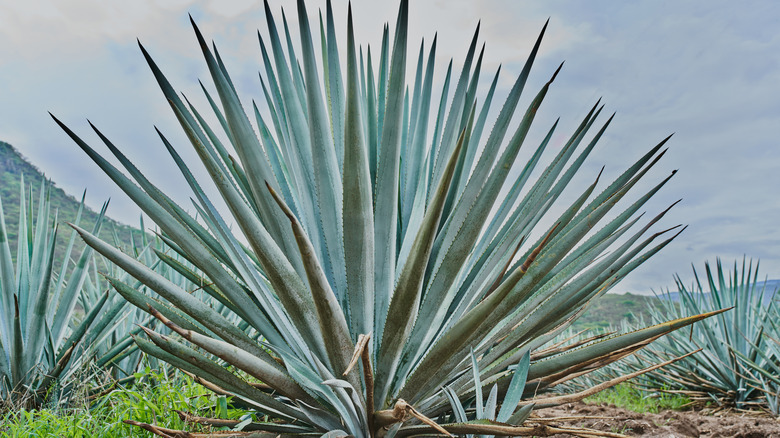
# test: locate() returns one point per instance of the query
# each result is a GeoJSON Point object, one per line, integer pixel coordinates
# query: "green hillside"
{"type": "Point", "coordinates": [12, 166]}
{"type": "Point", "coordinates": [612, 309]}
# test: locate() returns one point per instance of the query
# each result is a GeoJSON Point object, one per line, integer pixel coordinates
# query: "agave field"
{"type": "Point", "coordinates": [378, 269]}
{"type": "Point", "coordinates": [739, 362]}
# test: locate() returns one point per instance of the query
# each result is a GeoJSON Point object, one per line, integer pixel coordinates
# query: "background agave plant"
{"type": "Point", "coordinates": [738, 348]}
{"type": "Point", "coordinates": [387, 279]}
{"type": "Point", "coordinates": [37, 303]}
{"type": "Point", "coordinates": [111, 339]}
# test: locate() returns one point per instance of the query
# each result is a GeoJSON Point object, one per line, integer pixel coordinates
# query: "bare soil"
{"type": "Point", "coordinates": [669, 424]}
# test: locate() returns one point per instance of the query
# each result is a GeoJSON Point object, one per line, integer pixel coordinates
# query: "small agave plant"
{"type": "Point", "coordinates": [38, 343]}
{"type": "Point", "coordinates": [390, 285]}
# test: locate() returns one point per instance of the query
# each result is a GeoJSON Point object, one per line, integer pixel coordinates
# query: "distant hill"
{"type": "Point", "coordinates": [612, 309]}
{"type": "Point", "coordinates": [12, 166]}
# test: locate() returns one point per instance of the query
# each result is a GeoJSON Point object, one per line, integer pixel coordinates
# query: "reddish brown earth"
{"type": "Point", "coordinates": [669, 424]}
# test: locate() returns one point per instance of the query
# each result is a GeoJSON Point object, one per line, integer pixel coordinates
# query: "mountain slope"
{"type": "Point", "coordinates": [12, 166]}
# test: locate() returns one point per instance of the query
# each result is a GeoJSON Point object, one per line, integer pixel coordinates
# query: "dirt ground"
{"type": "Point", "coordinates": [669, 424]}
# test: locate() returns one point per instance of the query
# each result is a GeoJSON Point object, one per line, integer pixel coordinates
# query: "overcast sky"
{"type": "Point", "coordinates": [705, 70]}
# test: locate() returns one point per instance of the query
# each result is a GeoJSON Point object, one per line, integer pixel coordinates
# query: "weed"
{"type": "Point", "coordinates": [153, 399]}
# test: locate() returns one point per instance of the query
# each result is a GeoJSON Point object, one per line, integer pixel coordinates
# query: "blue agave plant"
{"type": "Point", "coordinates": [387, 278]}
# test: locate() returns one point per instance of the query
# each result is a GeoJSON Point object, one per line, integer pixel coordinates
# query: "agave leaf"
{"type": "Point", "coordinates": [440, 291]}
{"type": "Point", "coordinates": [37, 319]}
{"type": "Point", "coordinates": [67, 256]}
{"type": "Point", "coordinates": [410, 121]}
{"type": "Point", "coordinates": [190, 360]}
{"type": "Point", "coordinates": [237, 172]}
{"type": "Point", "coordinates": [144, 302]}
{"type": "Point", "coordinates": [197, 309]}
{"type": "Point", "coordinates": [453, 125]}
{"type": "Point", "coordinates": [17, 348]}
{"type": "Point", "coordinates": [406, 297]}
{"type": "Point", "coordinates": [326, 167]}
{"type": "Point", "coordinates": [203, 283]}
{"type": "Point", "coordinates": [477, 386]}
{"type": "Point", "coordinates": [67, 300]}
{"type": "Point", "coordinates": [273, 101]}
{"type": "Point", "coordinates": [295, 108]}
{"type": "Point", "coordinates": [438, 126]}
{"type": "Point", "coordinates": [7, 280]}
{"type": "Point", "coordinates": [261, 366]}
{"type": "Point", "coordinates": [335, 87]}
{"type": "Point", "coordinates": [477, 134]}
{"type": "Point", "coordinates": [522, 414]}
{"type": "Point", "coordinates": [120, 349]}
{"type": "Point", "coordinates": [333, 325]}
{"type": "Point", "coordinates": [386, 193]}
{"type": "Point", "coordinates": [277, 266]}
{"type": "Point", "coordinates": [276, 158]}
{"type": "Point", "coordinates": [516, 387]}
{"type": "Point", "coordinates": [417, 152]}
{"type": "Point", "coordinates": [247, 145]}
{"type": "Point", "coordinates": [358, 206]}
{"type": "Point", "coordinates": [598, 349]}
{"type": "Point", "coordinates": [456, 338]}
{"type": "Point", "coordinates": [476, 75]}
{"type": "Point", "coordinates": [318, 416]}
{"type": "Point", "coordinates": [23, 255]}
{"type": "Point", "coordinates": [199, 253]}
{"type": "Point", "coordinates": [39, 248]}
{"type": "Point", "coordinates": [382, 79]}
{"type": "Point", "coordinates": [79, 332]}
{"type": "Point", "coordinates": [295, 65]}
{"type": "Point", "coordinates": [371, 120]}
{"type": "Point", "coordinates": [453, 193]}
{"type": "Point", "coordinates": [482, 169]}
{"type": "Point", "coordinates": [5, 365]}
{"type": "Point", "coordinates": [457, 408]}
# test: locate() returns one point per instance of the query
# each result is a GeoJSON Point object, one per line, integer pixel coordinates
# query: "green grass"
{"type": "Point", "coordinates": [155, 397]}
{"type": "Point", "coordinates": [633, 398]}
{"type": "Point", "coordinates": [152, 400]}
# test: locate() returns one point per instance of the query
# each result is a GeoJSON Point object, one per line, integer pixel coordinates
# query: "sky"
{"type": "Point", "coordinates": [705, 70]}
